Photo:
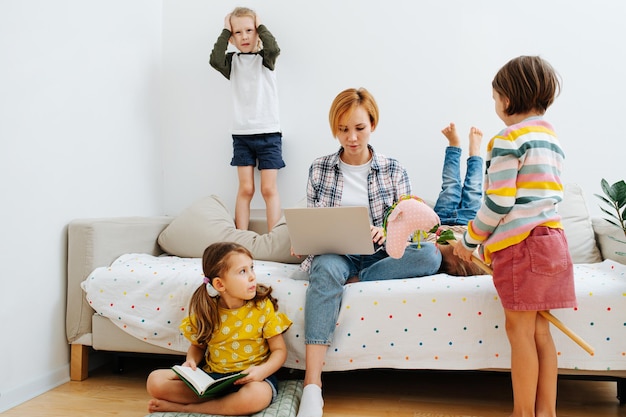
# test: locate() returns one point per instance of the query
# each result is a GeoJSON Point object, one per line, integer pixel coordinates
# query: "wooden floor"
{"type": "Point", "coordinates": [358, 393]}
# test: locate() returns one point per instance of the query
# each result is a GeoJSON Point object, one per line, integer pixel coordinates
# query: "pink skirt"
{"type": "Point", "coordinates": [537, 273]}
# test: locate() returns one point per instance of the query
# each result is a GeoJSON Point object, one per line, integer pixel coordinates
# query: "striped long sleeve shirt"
{"type": "Point", "coordinates": [522, 187]}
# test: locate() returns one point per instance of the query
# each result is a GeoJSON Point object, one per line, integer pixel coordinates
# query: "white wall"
{"type": "Point", "coordinates": [79, 93]}
{"type": "Point", "coordinates": [427, 63]}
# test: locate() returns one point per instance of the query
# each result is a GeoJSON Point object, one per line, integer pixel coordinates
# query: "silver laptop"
{"type": "Point", "coordinates": [319, 230]}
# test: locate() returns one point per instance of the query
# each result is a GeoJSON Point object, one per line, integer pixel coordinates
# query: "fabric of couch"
{"type": "Point", "coordinates": [94, 243]}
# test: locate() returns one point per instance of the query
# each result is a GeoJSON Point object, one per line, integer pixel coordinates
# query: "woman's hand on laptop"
{"type": "Point", "coordinates": [378, 235]}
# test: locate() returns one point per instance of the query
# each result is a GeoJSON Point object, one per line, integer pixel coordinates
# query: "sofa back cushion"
{"type": "Point", "coordinates": [611, 240]}
{"type": "Point", "coordinates": [208, 221]}
{"type": "Point", "coordinates": [577, 225]}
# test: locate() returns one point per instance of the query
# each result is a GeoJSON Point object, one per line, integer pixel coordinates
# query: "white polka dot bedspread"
{"type": "Point", "coordinates": [434, 322]}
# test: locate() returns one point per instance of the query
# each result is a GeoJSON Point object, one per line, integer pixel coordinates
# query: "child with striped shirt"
{"type": "Point", "coordinates": [519, 230]}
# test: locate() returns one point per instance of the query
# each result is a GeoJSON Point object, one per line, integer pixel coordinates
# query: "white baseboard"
{"type": "Point", "coordinates": [18, 395]}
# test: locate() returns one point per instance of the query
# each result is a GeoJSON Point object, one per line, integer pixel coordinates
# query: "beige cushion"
{"type": "Point", "coordinates": [577, 226]}
{"type": "Point", "coordinates": [208, 221]}
{"type": "Point", "coordinates": [611, 240]}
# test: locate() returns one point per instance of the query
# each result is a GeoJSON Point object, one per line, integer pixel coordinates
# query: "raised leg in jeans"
{"type": "Point", "coordinates": [449, 198]}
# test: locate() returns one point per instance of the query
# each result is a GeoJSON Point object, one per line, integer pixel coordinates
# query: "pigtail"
{"type": "Point", "coordinates": [203, 310]}
{"type": "Point", "coordinates": [264, 292]}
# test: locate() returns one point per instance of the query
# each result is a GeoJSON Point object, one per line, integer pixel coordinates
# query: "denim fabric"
{"type": "Point", "coordinates": [264, 147]}
{"type": "Point", "coordinates": [458, 205]}
{"type": "Point", "coordinates": [330, 272]}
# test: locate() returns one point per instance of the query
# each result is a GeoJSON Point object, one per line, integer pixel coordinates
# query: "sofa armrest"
{"type": "Point", "coordinates": [93, 243]}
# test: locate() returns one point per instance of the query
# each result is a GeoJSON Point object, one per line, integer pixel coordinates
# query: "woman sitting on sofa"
{"type": "Point", "coordinates": [353, 176]}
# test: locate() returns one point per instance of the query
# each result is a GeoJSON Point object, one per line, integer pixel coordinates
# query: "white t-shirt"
{"type": "Point", "coordinates": [355, 184]}
{"type": "Point", "coordinates": [255, 96]}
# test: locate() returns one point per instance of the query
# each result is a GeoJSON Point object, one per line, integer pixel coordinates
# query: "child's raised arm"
{"type": "Point", "coordinates": [227, 23]}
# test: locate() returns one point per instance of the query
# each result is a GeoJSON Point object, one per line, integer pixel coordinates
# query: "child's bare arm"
{"type": "Point", "coordinates": [277, 358]}
{"type": "Point", "coordinates": [195, 354]}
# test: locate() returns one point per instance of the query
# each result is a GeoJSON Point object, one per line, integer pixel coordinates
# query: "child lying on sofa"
{"type": "Point", "coordinates": [456, 204]}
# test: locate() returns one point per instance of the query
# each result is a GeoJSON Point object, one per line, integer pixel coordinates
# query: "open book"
{"type": "Point", "coordinates": [202, 383]}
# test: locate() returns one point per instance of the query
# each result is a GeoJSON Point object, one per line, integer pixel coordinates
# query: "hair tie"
{"type": "Point", "coordinates": [210, 289]}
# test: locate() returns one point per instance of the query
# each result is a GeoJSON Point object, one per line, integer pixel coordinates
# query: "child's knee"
{"type": "Point", "coordinates": [269, 191]}
{"type": "Point", "coordinates": [153, 384]}
{"type": "Point", "coordinates": [258, 395]}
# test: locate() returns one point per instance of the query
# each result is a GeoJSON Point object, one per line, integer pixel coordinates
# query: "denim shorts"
{"type": "Point", "coordinates": [272, 380]}
{"type": "Point", "coordinates": [535, 274]}
{"type": "Point", "coordinates": [264, 147]}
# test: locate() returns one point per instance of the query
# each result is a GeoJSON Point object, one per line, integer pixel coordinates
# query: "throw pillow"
{"type": "Point", "coordinates": [208, 221]}
{"type": "Point", "coordinates": [606, 235]}
{"type": "Point", "coordinates": [577, 225]}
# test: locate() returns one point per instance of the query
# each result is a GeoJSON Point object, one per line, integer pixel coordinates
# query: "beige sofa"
{"type": "Point", "coordinates": [94, 243]}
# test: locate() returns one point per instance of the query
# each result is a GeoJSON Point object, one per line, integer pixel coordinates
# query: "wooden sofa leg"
{"type": "Point", "coordinates": [79, 362]}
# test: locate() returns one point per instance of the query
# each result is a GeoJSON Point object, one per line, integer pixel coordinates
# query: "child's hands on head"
{"type": "Point", "coordinates": [227, 23]}
{"type": "Point", "coordinates": [258, 21]}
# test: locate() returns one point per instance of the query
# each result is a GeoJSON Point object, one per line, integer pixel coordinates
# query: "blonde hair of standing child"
{"type": "Point", "coordinates": [247, 12]}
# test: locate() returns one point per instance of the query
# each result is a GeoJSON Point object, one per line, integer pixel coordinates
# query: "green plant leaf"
{"type": "Point", "coordinates": [610, 213]}
{"type": "Point", "coordinates": [616, 200]}
{"type": "Point", "coordinates": [603, 198]}
{"type": "Point", "coordinates": [619, 191]}
{"type": "Point", "coordinates": [606, 188]}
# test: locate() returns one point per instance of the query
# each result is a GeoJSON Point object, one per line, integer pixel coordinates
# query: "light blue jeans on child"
{"type": "Point", "coordinates": [456, 204]}
{"type": "Point", "coordinates": [330, 272]}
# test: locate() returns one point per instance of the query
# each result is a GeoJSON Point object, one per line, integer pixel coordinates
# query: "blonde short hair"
{"type": "Point", "coordinates": [345, 103]}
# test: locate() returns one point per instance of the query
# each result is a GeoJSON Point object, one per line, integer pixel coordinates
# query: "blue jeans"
{"type": "Point", "coordinates": [330, 272]}
{"type": "Point", "coordinates": [458, 205]}
{"type": "Point", "coordinates": [267, 148]}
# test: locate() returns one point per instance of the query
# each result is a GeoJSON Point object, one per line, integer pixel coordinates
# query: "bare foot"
{"type": "Point", "coordinates": [475, 138]}
{"type": "Point", "coordinates": [155, 405]}
{"type": "Point", "coordinates": [450, 133]}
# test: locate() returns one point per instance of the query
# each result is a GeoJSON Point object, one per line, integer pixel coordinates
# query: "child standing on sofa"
{"type": "Point", "coordinates": [256, 127]}
{"type": "Point", "coordinates": [224, 331]}
{"type": "Point", "coordinates": [519, 230]}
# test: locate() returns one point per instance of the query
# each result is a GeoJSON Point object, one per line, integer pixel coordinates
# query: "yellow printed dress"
{"type": "Point", "coordinates": [241, 338]}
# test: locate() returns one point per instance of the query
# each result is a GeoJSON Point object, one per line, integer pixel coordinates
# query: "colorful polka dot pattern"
{"type": "Point", "coordinates": [435, 322]}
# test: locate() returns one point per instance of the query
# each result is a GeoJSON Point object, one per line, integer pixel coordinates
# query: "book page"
{"type": "Point", "coordinates": [198, 378]}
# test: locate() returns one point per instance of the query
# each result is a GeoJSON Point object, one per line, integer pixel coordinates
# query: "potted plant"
{"type": "Point", "coordinates": [615, 198]}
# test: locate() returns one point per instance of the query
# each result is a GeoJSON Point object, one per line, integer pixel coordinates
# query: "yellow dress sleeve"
{"type": "Point", "coordinates": [189, 330]}
{"type": "Point", "coordinates": [276, 322]}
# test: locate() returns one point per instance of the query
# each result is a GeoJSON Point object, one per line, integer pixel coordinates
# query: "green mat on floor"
{"type": "Point", "coordinates": [285, 405]}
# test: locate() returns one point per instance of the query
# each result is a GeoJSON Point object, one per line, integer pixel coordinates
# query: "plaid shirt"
{"type": "Point", "coordinates": [386, 182]}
